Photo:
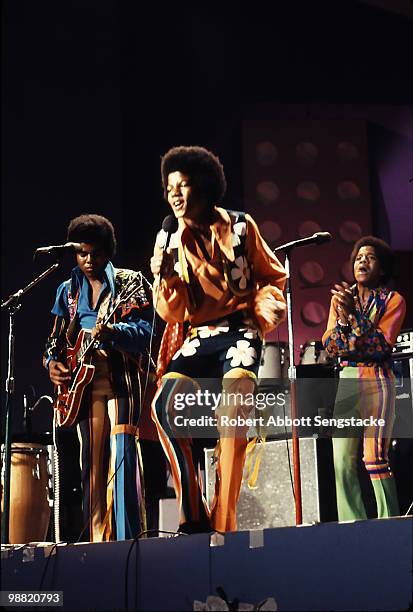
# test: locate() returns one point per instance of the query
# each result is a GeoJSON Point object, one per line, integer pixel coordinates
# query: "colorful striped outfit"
{"type": "Point", "coordinates": [220, 297]}
{"type": "Point", "coordinates": [366, 389]}
{"type": "Point", "coordinates": [113, 509]}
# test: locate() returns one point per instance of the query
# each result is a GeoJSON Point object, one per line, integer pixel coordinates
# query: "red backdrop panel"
{"type": "Point", "coordinates": [301, 177]}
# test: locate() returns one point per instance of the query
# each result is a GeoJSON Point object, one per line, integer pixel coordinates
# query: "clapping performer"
{"type": "Point", "coordinates": [363, 325]}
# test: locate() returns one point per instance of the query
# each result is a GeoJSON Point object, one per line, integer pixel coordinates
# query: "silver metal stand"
{"type": "Point", "coordinates": [13, 304]}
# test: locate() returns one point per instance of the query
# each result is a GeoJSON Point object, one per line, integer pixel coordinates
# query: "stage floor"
{"type": "Point", "coordinates": [361, 565]}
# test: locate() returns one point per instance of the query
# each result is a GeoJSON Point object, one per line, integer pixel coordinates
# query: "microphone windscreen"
{"type": "Point", "coordinates": [323, 237]}
{"type": "Point", "coordinates": [74, 245]}
{"type": "Point", "coordinates": [170, 224]}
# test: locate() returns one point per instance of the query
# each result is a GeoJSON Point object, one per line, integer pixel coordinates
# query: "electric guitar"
{"type": "Point", "coordinates": [78, 358]}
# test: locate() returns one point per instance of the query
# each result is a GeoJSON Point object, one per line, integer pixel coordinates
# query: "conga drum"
{"type": "Point", "coordinates": [274, 362]}
{"type": "Point", "coordinates": [314, 353]}
{"type": "Point", "coordinates": [29, 493]}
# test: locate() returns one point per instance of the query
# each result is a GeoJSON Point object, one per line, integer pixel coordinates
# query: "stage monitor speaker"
{"type": "Point", "coordinates": [403, 424]}
{"type": "Point", "coordinates": [401, 450]}
{"type": "Point", "coordinates": [271, 502]}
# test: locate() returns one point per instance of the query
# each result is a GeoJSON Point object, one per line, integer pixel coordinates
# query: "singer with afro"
{"type": "Point", "coordinates": [219, 288]}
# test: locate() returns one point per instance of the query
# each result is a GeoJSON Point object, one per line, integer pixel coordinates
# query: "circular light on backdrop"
{"type": "Point", "coordinates": [350, 231]}
{"type": "Point", "coordinates": [306, 153]}
{"type": "Point", "coordinates": [271, 231]}
{"type": "Point", "coordinates": [308, 228]}
{"type": "Point", "coordinates": [348, 190]}
{"type": "Point", "coordinates": [313, 313]}
{"type": "Point", "coordinates": [347, 272]}
{"type": "Point", "coordinates": [311, 272]}
{"type": "Point", "coordinates": [307, 190]}
{"type": "Point", "coordinates": [347, 151]}
{"type": "Point", "coordinates": [266, 153]}
{"type": "Point", "coordinates": [267, 192]}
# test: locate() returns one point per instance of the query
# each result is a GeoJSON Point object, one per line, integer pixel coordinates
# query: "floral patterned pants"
{"type": "Point", "coordinates": [229, 351]}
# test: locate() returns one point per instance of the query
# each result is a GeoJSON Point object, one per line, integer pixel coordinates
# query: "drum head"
{"type": "Point", "coordinates": [45, 439]}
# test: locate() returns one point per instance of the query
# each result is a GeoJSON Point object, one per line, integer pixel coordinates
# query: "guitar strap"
{"type": "Point", "coordinates": [72, 330]}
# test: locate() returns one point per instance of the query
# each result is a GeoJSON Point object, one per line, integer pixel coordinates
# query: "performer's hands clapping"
{"type": "Point", "coordinates": [343, 301]}
{"type": "Point", "coordinates": [162, 263]}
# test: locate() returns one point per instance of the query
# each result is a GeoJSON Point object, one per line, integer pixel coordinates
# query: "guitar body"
{"type": "Point", "coordinates": [78, 358]}
{"type": "Point", "coordinates": [69, 397]}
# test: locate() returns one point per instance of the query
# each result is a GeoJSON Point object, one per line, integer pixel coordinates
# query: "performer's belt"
{"type": "Point", "coordinates": [234, 319]}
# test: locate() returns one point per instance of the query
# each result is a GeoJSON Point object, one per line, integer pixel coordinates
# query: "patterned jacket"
{"type": "Point", "coordinates": [369, 339]}
{"type": "Point", "coordinates": [242, 272]}
{"type": "Point", "coordinates": [240, 276]}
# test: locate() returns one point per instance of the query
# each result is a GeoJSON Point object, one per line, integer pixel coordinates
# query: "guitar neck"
{"type": "Point", "coordinates": [104, 321]}
{"type": "Point", "coordinates": [122, 297]}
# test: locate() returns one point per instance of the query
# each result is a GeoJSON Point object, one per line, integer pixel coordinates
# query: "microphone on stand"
{"type": "Point", "coordinates": [317, 238]}
{"type": "Point", "coordinates": [60, 248]}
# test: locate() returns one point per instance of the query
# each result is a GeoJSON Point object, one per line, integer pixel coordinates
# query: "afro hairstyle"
{"type": "Point", "coordinates": [383, 251]}
{"type": "Point", "coordinates": [93, 229]}
{"type": "Point", "coordinates": [202, 166]}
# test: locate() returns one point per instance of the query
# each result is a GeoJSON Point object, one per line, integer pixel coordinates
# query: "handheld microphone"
{"type": "Point", "coordinates": [169, 226]}
{"type": "Point", "coordinates": [317, 238]}
{"type": "Point", "coordinates": [60, 248]}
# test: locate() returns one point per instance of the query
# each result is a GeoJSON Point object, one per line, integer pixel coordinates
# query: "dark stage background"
{"type": "Point", "coordinates": [95, 92]}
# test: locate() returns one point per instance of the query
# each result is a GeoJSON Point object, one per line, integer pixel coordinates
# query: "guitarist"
{"type": "Point", "coordinates": [110, 407]}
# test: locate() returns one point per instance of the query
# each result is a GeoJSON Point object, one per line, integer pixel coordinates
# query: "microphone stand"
{"type": "Point", "coordinates": [13, 304]}
{"type": "Point", "coordinates": [317, 238]}
{"type": "Point", "coordinates": [292, 375]}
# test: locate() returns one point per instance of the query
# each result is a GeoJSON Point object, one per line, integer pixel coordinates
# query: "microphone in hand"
{"type": "Point", "coordinates": [169, 226]}
{"type": "Point", "coordinates": [162, 263]}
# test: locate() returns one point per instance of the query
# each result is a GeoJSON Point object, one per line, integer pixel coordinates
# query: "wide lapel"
{"type": "Point", "coordinates": [107, 300]}
{"type": "Point", "coordinates": [222, 231]}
